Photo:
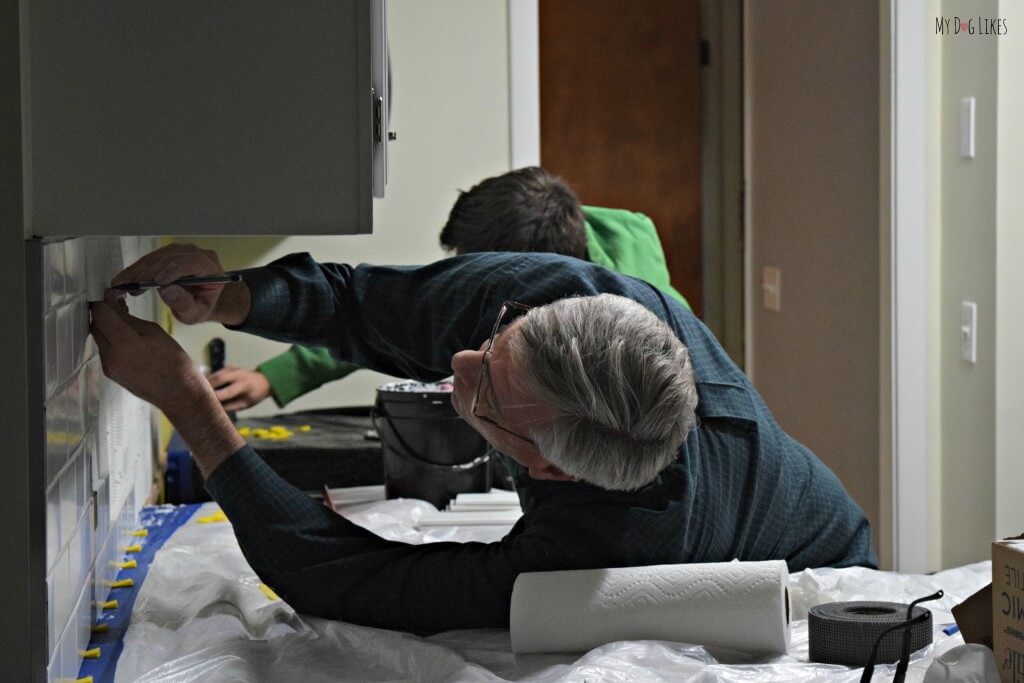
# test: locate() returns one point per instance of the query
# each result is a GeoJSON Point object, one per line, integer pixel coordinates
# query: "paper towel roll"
{"type": "Point", "coordinates": [736, 605]}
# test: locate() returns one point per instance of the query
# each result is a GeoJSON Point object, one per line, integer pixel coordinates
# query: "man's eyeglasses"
{"type": "Point", "coordinates": [509, 311]}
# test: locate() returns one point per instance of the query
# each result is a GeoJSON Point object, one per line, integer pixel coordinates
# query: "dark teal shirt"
{"type": "Point", "coordinates": [740, 488]}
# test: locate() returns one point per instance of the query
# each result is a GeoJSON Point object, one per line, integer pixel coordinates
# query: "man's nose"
{"type": "Point", "coordinates": [466, 363]}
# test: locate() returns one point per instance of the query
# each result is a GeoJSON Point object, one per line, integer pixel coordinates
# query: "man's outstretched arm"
{"type": "Point", "coordinates": [404, 321]}
{"type": "Point", "coordinates": [319, 562]}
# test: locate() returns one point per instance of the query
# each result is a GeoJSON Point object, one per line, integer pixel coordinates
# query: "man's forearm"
{"type": "Point", "coordinates": [207, 430]}
{"type": "Point", "coordinates": [233, 305]}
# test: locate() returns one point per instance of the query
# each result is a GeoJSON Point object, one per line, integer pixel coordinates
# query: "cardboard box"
{"type": "Point", "coordinates": [1008, 608]}
{"type": "Point", "coordinates": [974, 617]}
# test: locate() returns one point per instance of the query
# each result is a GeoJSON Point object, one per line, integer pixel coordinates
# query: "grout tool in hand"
{"type": "Point", "coordinates": [181, 282]}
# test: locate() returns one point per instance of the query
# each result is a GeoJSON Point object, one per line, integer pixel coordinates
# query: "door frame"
{"type": "Point", "coordinates": [903, 386]}
{"type": "Point", "coordinates": [721, 162]}
{"type": "Point", "coordinates": [523, 83]}
{"type": "Point", "coordinates": [904, 442]}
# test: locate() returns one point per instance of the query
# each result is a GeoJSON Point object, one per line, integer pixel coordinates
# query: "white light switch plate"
{"type": "Point", "coordinates": [969, 331]}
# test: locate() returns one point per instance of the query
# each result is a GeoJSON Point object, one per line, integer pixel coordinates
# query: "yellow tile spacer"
{"type": "Point", "coordinates": [269, 592]}
{"type": "Point", "coordinates": [140, 533]}
{"type": "Point", "coordinates": [109, 604]}
{"type": "Point", "coordinates": [244, 431]}
{"type": "Point", "coordinates": [305, 428]}
{"type": "Point", "coordinates": [84, 679]}
{"type": "Point", "coordinates": [127, 564]}
{"type": "Point", "coordinates": [121, 583]}
{"type": "Point", "coordinates": [100, 628]}
{"type": "Point", "coordinates": [217, 516]}
{"type": "Point", "coordinates": [137, 548]}
{"type": "Point", "coordinates": [89, 654]}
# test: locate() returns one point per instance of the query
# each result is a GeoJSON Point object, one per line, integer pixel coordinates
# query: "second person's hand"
{"type": "Point", "coordinates": [239, 388]}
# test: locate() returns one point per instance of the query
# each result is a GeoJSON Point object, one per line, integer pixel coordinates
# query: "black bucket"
{"type": "Point", "coordinates": [429, 451]}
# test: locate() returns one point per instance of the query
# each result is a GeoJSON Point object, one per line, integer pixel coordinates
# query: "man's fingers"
{"type": "Point", "coordinates": [237, 404]}
{"type": "Point", "coordinates": [112, 322]}
{"type": "Point", "coordinates": [147, 266]}
{"type": "Point", "coordinates": [170, 263]}
{"type": "Point", "coordinates": [230, 391]}
{"type": "Point", "coordinates": [182, 304]}
{"type": "Point", "coordinates": [224, 376]}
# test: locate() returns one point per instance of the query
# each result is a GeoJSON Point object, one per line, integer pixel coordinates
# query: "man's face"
{"type": "Point", "coordinates": [503, 402]}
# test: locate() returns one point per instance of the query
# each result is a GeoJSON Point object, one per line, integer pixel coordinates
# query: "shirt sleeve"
{"type": "Point", "coordinates": [409, 321]}
{"type": "Point", "coordinates": [324, 565]}
{"type": "Point", "coordinates": [300, 370]}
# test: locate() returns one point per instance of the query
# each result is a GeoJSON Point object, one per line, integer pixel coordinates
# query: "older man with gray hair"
{"type": "Point", "coordinates": [631, 436]}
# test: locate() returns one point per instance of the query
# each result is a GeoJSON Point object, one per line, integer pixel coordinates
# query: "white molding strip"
{"type": "Point", "coordinates": [523, 83]}
{"type": "Point", "coordinates": [909, 286]}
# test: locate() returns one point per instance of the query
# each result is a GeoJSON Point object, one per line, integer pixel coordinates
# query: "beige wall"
{"type": "Point", "coordinates": [967, 264]}
{"type": "Point", "coordinates": [813, 183]}
{"type": "Point", "coordinates": [450, 110]}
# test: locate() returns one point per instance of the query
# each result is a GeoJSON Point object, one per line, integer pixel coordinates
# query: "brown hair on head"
{"type": "Point", "coordinates": [527, 209]}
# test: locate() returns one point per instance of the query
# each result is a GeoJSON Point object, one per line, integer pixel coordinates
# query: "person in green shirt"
{"type": "Point", "coordinates": [527, 209]}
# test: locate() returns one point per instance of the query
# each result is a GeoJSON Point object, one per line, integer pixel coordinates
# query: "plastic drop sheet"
{"type": "Point", "coordinates": [201, 615]}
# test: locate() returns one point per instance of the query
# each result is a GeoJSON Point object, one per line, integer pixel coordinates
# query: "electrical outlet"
{"type": "Point", "coordinates": [771, 288]}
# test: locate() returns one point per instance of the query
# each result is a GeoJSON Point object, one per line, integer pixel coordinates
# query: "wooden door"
{"type": "Point", "coordinates": [620, 115]}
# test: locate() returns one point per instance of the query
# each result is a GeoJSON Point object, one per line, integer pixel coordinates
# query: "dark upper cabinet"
{"type": "Point", "coordinates": [177, 117]}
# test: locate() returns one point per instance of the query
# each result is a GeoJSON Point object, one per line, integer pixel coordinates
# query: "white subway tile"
{"type": "Point", "coordinates": [99, 585]}
{"type": "Point", "coordinates": [69, 655]}
{"type": "Point", "coordinates": [84, 618]}
{"type": "Point", "coordinates": [92, 375]}
{"type": "Point", "coordinates": [72, 403]}
{"type": "Point", "coordinates": [54, 272]}
{"type": "Point", "coordinates": [76, 576]}
{"type": "Point", "coordinates": [61, 594]}
{"type": "Point", "coordinates": [65, 341]}
{"type": "Point", "coordinates": [82, 493]}
{"type": "Point", "coordinates": [51, 616]}
{"type": "Point", "coordinates": [74, 265]}
{"type": "Point", "coordinates": [86, 541]}
{"type": "Point", "coordinates": [68, 503]}
{"type": "Point", "coordinates": [79, 332]}
{"type": "Point", "coordinates": [52, 525]}
{"type": "Point", "coordinates": [55, 670]}
{"type": "Point", "coordinates": [56, 435]}
{"type": "Point", "coordinates": [51, 368]}
{"type": "Point", "coordinates": [103, 512]}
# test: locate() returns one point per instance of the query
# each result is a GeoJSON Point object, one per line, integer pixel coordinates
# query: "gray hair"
{"type": "Point", "coordinates": [620, 381]}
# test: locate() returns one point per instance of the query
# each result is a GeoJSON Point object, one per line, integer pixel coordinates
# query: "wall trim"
{"type": "Point", "coordinates": [523, 83]}
{"type": "Point", "coordinates": [907, 296]}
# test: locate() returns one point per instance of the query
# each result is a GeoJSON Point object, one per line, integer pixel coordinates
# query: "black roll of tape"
{"type": "Point", "coordinates": [845, 632]}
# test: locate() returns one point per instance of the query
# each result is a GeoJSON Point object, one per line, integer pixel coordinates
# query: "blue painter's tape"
{"type": "Point", "coordinates": [161, 521]}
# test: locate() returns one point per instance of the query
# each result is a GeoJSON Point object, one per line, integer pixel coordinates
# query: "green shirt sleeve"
{"type": "Point", "coordinates": [627, 242]}
{"type": "Point", "coordinates": [300, 370]}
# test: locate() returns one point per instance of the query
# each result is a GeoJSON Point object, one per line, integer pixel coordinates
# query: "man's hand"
{"type": "Point", "coordinates": [144, 359]}
{"type": "Point", "coordinates": [238, 388]}
{"type": "Point", "coordinates": [228, 304]}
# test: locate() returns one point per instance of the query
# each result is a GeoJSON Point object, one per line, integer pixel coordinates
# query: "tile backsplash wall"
{"type": "Point", "coordinates": [99, 444]}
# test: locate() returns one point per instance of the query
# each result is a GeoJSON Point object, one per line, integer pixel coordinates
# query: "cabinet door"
{"type": "Point", "coordinates": [177, 117]}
